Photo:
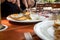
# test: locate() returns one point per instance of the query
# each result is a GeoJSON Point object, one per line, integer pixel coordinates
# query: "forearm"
{"type": "Point", "coordinates": [1, 1]}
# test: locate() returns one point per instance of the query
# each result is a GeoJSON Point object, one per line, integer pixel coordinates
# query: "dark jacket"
{"type": "Point", "coordinates": [8, 8]}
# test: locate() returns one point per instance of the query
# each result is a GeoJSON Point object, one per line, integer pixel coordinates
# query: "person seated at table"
{"type": "Point", "coordinates": [13, 6]}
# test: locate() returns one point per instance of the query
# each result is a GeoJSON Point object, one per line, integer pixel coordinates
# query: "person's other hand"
{"type": "Point", "coordinates": [31, 3]}
{"type": "Point", "coordinates": [1, 1]}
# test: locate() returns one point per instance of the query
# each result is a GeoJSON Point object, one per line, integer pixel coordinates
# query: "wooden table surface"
{"type": "Point", "coordinates": [16, 31]}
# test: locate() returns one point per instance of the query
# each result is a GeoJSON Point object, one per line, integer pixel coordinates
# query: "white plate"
{"type": "Point", "coordinates": [4, 28]}
{"type": "Point", "coordinates": [41, 18]}
{"type": "Point", "coordinates": [45, 30]}
{"type": "Point", "coordinates": [51, 29]}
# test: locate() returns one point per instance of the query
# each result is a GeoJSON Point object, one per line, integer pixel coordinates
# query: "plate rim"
{"type": "Point", "coordinates": [4, 28]}
{"type": "Point", "coordinates": [41, 35]}
{"type": "Point", "coordinates": [25, 21]}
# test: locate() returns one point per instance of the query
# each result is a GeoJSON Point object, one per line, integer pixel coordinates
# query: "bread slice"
{"type": "Point", "coordinates": [57, 29]}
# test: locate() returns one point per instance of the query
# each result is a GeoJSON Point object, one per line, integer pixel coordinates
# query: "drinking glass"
{"type": "Point", "coordinates": [56, 15]}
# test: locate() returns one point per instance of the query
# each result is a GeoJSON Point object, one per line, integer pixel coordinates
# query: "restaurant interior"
{"type": "Point", "coordinates": [40, 22]}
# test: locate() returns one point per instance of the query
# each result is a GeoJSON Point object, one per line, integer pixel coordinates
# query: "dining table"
{"type": "Point", "coordinates": [15, 30]}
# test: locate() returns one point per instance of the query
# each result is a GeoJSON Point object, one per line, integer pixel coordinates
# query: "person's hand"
{"type": "Point", "coordinates": [27, 3]}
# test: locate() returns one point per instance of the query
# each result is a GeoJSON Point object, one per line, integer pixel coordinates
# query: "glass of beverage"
{"type": "Point", "coordinates": [56, 15]}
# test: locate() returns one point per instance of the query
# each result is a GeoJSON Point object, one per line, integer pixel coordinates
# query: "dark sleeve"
{"type": "Point", "coordinates": [22, 5]}
{"type": "Point", "coordinates": [8, 8]}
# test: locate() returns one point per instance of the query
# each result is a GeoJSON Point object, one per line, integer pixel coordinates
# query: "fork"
{"type": "Point", "coordinates": [28, 36]}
